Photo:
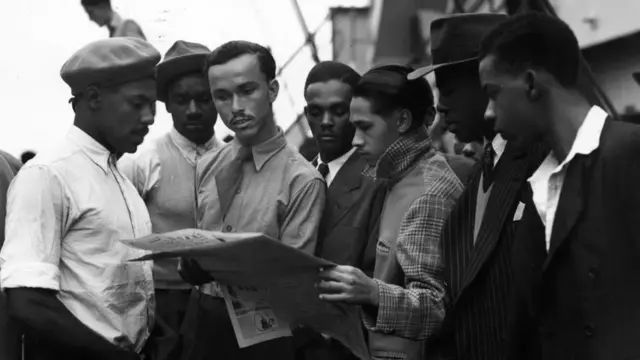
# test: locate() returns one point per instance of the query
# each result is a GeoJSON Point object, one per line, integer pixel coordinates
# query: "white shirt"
{"type": "Point", "coordinates": [546, 182]}
{"type": "Point", "coordinates": [143, 167]}
{"type": "Point", "coordinates": [335, 165]}
{"type": "Point", "coordinates": [67, 209]}
{"type": "Point", "coordinates": [498, 144]}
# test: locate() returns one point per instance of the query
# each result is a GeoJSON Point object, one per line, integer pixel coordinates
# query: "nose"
{"type": "Point", "coordinates": [148, 114]}
{"type": "Point", "coordinates": [327, 121]}
{"type": "Point", "coordinates": [237, 104]}
{"type": "Point", "coordinates": [358, 140]}
{"type": "Point", "coordinates": [490, 112]}
{"type": "Point", "coordinates": [192, 109]}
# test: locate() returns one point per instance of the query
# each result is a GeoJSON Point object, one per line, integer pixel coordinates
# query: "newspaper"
{"type": "Point", "coordinates": [285, 277]}
{"type": "Point", "coordinates": [251, 315]}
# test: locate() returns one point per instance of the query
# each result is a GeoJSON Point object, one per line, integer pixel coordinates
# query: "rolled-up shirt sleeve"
{"type": "Point", "coordinates": [37, 210]}
{"type": "Point", "coordinates": [302, 217]}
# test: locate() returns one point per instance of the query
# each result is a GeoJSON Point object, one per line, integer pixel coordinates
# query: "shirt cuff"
{"type": "Point", "coordinates": [388, 308]}
{"type": "Point", "coordinates": [30, 275]}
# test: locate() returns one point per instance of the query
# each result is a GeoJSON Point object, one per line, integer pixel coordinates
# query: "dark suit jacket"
{"type": "Point", "coordinates": [581, 300]}
{"type": "Point", "coordinates": [9, 335]}
{"type": "Point", "coordinates": [348, 228]}
{"type": "Point", "coordinates": [479, 277]}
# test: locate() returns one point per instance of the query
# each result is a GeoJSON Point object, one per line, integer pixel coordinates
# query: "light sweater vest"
{"type": "Point", "coordinates": [172, 206]}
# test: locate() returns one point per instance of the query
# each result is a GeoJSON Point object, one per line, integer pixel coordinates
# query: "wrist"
{"type": "Point", "coordinates": [374, 293]}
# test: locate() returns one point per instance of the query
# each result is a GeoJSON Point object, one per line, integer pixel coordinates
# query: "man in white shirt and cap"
{"type": "Point", "coordinates": [165, 173]}
{"type": "Point", "coordinates": [67, 277]}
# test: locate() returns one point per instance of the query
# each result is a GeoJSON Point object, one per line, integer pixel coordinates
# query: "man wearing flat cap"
{"type": "Point", "coordinates": [479, 233]}
{"type": "Point", "coordinates": [101, 13]}
{"type": "Point", "coordinates": [164, 174]}
{"type": "Point", "coordinates": [67, 277]}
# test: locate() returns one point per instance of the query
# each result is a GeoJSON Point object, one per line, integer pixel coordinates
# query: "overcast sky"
{"type": "Point", "coordinates": [38, 36]}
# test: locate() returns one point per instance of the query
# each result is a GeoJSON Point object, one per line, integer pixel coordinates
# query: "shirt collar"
{"type": "Point", "coordinates": [498, 144]}
{"type": "Point", "coordinates": [587, 140]}
{"type": "Point", "coordinates": [189, 148]}
{"type": "Point", "coordinates": [402, 155]}
{"type": "Point", "coordinates": [336, 164]}
{"type": "Point", "coordinates": [264, 151]}
{"type": "Point", "coordinates": [93, 149]}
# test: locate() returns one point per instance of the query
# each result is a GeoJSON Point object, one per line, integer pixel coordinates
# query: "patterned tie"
{"type": "Point", "coordinates": [487, 166]}
{"type": "Point", "coordinates": [323, 169]}
{"type": "Point", "coordinates": [229, 179]}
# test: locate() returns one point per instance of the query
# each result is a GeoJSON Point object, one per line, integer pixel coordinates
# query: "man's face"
{"type": "Point", "coordinates": [190, 105]}
{"type": "Point", "coordinates": [126, 114]}
{"type": "Point", "coordinates": [462, 103]}
{"type": "Point", "coordinates": [374, 134]}
{"type": "Point", "coordinates": [327, 112]}
{"type": "Point", "coordinates": [510, 107]}
{"type": "Point", "coordinates": [244, 98]}
{"type": "Point", "coordinates": [98, 14]}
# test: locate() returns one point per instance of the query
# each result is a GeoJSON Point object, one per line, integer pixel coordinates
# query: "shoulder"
{"type": "Point", "coordinates": [296, 167]}
{"type": "Point", "coordinates": [215, 159]}
{"type": "Point", "coordinates": [461, 165]}
{"type": "Point", "coordinates": [439, 177]}
{"type": "Point", "coordinates": [619, 138]}
{"type": "Point", "coordinates": [11, 162]}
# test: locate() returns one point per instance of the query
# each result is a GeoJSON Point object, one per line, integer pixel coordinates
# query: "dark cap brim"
{"type": "Point", "coordinates": [420, 72]}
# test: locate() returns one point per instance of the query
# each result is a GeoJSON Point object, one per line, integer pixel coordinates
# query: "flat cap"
{"type": "Point", "coordinates": [182, 58]}
{"type": "Point", "coordinates": [108, 62]}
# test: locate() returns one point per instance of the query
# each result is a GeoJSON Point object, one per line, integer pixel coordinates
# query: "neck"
{"type": "Point", "coordinates": [566, 116]}
{"type": "Point", "coordinates": [84, 124]}
{"type": "Point", "coordinates": [329, 156]}
{"type": "Point", "coordinates": [198, 140]}
{"type": "Point", "coordinates": [269, 130]}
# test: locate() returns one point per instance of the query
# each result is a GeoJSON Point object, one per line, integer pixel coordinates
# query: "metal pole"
{"type": "Point", "coordinates": [308, 36]}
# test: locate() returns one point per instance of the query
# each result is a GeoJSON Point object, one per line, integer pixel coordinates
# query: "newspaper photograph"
{"type": "Point", "coordinates": [251, 315]}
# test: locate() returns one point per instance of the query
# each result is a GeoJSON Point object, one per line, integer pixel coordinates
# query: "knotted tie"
{"type": "Point", "coordinates": [323, 169]}
{"type": "Point", "coordinates": [229, 179]}
{"type": "Point", "coordinates": [487, 166]}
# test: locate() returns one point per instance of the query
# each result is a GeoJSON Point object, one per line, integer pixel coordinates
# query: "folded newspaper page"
{"type": "Point", "coordinates": [283, 277]}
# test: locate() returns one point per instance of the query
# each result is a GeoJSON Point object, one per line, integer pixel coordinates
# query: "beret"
{"type": "Point", "coordinates": [109, 62]}
{"type": "Point", "coordinates": [182, 58]}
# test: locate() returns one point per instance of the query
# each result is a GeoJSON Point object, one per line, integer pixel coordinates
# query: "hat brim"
{"type": "Point", "coordinates": [420, 72]}
{"type": "Point", "coordinates": [636, 77]}
{"type": "Point", "coordinates": [168, 71]}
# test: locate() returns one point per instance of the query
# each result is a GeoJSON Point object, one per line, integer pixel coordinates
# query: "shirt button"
{"type": "Point", "coordinates": [238, 191]}
{"type": "Point", "coordinates": [589, 330]}
{"type": "Point", "coordinates": [228, 228]}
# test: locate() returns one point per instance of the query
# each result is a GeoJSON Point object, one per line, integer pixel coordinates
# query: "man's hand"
{"type": "Point", "coordinates": [347, 284]}
{"type": "Point", "coordinates": [191, 272]}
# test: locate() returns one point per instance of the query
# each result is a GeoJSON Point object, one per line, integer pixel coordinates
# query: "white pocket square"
{"type": "Point", "coordinates": [519, 211]}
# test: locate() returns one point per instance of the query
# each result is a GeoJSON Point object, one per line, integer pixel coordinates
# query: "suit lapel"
{"type": "Point", "coordinates": [570, 204]}
{"type": "Point", "coordinates": [343, 189]}
{"type": "Point", "coordinates": [458, 237]}
{"type": "Point", "coordinates": [511, 172]}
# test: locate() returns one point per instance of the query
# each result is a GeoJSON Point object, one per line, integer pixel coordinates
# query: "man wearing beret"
{"type": "Point", "coordinates": [479, 234]}
{"type": "Point", "coordinates": [164, 174]}
{"type": "Point", "coordinates": [101, 13]}
{"type": "Point", "coordinates": [67, 277]}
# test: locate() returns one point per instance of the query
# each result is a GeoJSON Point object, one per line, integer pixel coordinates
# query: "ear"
{"type": "Point", "coordinates": [431, 116]}
{"type": "Point", "coordinates": [94, 98]}
{"type": "Point", "coordinates": [305, 112]}
{"type": "Point", "coordinates": [532, 84]}
{"type": "Point", "coordinates": [274, 89]}
{"type": "Point", "coordinates": [404, 121]}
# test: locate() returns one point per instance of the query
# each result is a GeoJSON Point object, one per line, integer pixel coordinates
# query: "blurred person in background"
{"type": "Point", "coordinates": [10, 334]}
{"type": "Point", "coordinates": [66, 275]}
{"type": "Point", "coordinates": [101, 13]}
{"type": "Point", "coordinates": [164, 174]}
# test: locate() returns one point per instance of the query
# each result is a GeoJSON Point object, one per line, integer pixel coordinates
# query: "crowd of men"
{"type": "Point", "coordinates": [522, 254]}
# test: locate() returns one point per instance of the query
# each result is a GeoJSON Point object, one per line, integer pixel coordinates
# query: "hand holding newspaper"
{"type": "Point", "coordinates": [267, 285]}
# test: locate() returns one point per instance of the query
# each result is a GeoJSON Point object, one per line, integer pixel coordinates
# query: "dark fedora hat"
{"type": "Point", "coordinates": [182, 58]}
{"type": "Point", "coordinates": [456, 39]}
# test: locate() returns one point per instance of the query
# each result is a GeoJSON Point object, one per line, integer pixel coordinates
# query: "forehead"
{"type": "Point", "coordinates": [244, 68]}
{"type": "Point", "coordinates": [190, 83]}
{"type": "Point", "coordinates": [330, 91]}
{"type": "Point", "coordinates": [360, 106]}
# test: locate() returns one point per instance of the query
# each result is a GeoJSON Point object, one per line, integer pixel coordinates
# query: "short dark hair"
{"type": "Point", "coordinates": [26, 156]}
{"type": "Point", "coordinates": [332, 70]}
{"type": "Point", "coordinates": [388, 89]}
{"type": "Point", "coordinates": [234, 49]}
{"type": "Point", "coordinates": [535, 40]}
{"type": "Point", "coordinates": [95, 2]}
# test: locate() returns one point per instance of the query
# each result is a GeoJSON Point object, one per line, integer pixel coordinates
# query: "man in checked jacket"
{"type": "Point", "coordinates": [405, 299]}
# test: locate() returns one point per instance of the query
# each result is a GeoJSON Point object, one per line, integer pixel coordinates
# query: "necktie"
{"type": "Point", "coordinates": [229, 179]}
{"type": "Point", "coordinates": [323, 169]}
{"type": "Point", "coordinates": [487, 166]}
